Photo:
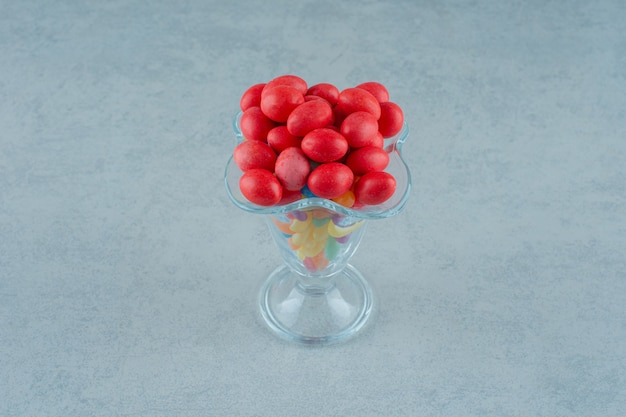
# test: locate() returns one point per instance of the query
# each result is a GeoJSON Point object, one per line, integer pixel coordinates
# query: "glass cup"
{"type": "Point", "coordinates": [316, 296]}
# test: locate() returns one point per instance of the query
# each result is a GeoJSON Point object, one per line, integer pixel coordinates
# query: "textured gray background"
{"type": "Point", "coordinates": [128, 280]}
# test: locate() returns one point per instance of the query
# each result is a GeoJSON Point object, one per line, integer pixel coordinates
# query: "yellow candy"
{"type": "Point", "coordinates": [301, 226]}
{"type": "Point", "coordinates": [318, 246]}
{"type": "Point", "coordinates": [309, 251]}
{"type": "Point", "coordinates": [299, 238]}
{"type": "Point", "coordinates": [312, 247]}
{"type": "Point", "coordinates": [338, 231]}
{"type": "Point", "coordinates": [309, 237]}
{"type": "Point", "coordinates": [320, 234]}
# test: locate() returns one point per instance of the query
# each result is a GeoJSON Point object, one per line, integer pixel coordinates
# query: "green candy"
{"type": "Point", "coordinates": [321, 221]}
{"type": "Point", "coordinates": [331, 250]}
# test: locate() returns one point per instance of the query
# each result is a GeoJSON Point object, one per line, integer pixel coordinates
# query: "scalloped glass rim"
{"type": "Point", "coordinates": [397, 167]}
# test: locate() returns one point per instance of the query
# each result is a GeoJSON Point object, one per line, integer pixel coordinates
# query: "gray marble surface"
{"type": "Point", "coordinates": [128, 279]}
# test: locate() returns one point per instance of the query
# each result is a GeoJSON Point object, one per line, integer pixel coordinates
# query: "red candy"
{"type": "Point", "coordinates": [326, 91]}
{"type": "Point", "coordinates": [339, 115]}
{"type": "Point", "coordinates": [309, 116]}
{"type": "Point", "coordinates": [375, 188]}
{"type": "Point", "coordinates": [290, 197]}
{"type": "Point", "coordinates": [309, 97]}
{"type": "Point", "coordinates": [255, 125]}
{"type": "Point", "coordinates": [379, 142]}
{"type": "Point", "coordinates": [252, 154]}
{"type": "Point", "coordinates": [330, 180]}
{"type": "Point", "coordinates": [391, 119]}
{"type": "Point", "coordinates": [377, 89]}
{"type": "Point", "coordinates": [261, 187]}
{"type": "Point", "coordinates": [319, 137]}
{"type": "Point", "coordinates": [324, 145]}
{"type": "Point", "coordinates": [252, 97]}
{"type": "Point", "coordinates": [359, 129]}
{"type": "Point", "coordinates": [357, 99]}
{"type": "Point", "coordinates": [288, 80]}
{"type": "Point", "coordinates": [292, 169]}
{"type": "Point", "coordinates": [280, 139]}
{"type": "Point", "coordinates": [367, 159]}
{"type": "Point", "coordinates": [279, 101]}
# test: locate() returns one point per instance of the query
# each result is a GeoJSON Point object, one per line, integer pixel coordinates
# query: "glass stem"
{"type": "Point", "coordinates": [316, 285]}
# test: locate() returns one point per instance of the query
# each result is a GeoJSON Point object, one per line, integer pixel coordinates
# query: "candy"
{"type": "Point", "coordinates": [359, 129]}
{"type": "Point", "coordinates": [324, 145]}
{"type": "Point", "coordinates": [279, 101]}
{"type": "Point", "coordinates": [367, 159]}
{"type": "Point", "coordinates": [306, 192]}
{"type": "Point", "coordinates": [332, 248]}
{"type": "Point", "coordinates": [283, 227]}
{"type": "Point", "coordinates": [309, 264]}
{"type": "Point", "coordinates": [346, 199]}
{"type": "Point", "coordinates": [310, 97]}
{"type": "Point", "coordinates": [261, 187]}
{"type": "Point", "coordinates": [292, 245]}
{"type": "Point", "coordinates": [310, 242]}
{"type": "Point", "coordinates": [299, 238]}
{"type": "Point", "coordinates": [298, 215]}
{"type": "Point", "coordinates": [314, 235]}
{"type": "Point", "coordinates": [338, 115]}
{"type": "Point", "coordinates": [330, 180]}
{"type": "Point", "coordinates": [288, 80]}
{"type": "Point", "coordinates": [254, 154]}
{"type": "Point", "coordinates": [292, 169]}
{"type": "Point", "coordinates": [251, 97]}
{"type": "Point", "coordinates": [391, 119]}
{"type": "Point", "coordinates": [326, 91]}
{"type": "Point", "coordinates": [320, 214]}
{"type": "Point", "coordinates": [316, 142]}
{"type": "Point", "coordinates": [339, 231]}
{"type": "Point", "coordinates": [290, 196]}
{"type": "Point", "coordinates": [376, 89]}
{"type": "Point", "coordinates": [255, 125]}
{"type": "Point", "coordinates": [320, 261]}
{"type": "Point", "coordinates": [352, 100]}
{"type": "Point", "coordinates": [299, 226]}
{"type": "Point", "coordinates": [309, 116]}
{"type": "Point", "coordinates": [343, 239]}
{"type": "Point", "coordinates": [320, 233]}
{"type": "Point", "coordinates": [375, 188]}
{"type": "Point", "coordinates": [310, 248]}
{"type": "Point", "coordinates": [379, 141]}
{"type": "Point", "coordinates": [280, 139]}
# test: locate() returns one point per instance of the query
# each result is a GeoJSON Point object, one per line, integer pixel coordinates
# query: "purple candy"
{"type": "Point", "coordinates": [299, 215]}
{"type": "Point", "coordinates": [343, 239]}
{"type": "Point", "coordinates": [342, 220]}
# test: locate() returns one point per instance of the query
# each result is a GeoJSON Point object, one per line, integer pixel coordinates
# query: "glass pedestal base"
{"type": "Point", "coordinates": [316, 311]}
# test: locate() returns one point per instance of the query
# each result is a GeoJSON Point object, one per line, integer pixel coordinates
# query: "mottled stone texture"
{"type": "Point", "coordinates": [128, 280]}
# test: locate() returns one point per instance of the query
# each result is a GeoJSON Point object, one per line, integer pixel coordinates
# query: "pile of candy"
{"type": "Point", "coordinates": [317, 236]}
{"type": "Point", "coordinates": [316, 141]}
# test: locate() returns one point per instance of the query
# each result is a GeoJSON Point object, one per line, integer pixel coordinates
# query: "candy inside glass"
{"type": "Point", "coordinates": [316, 296]}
